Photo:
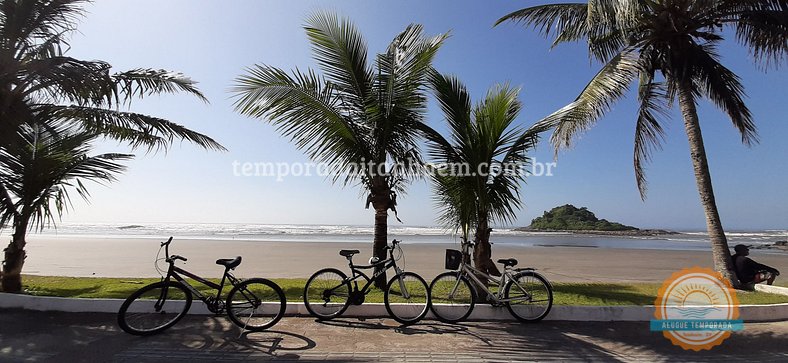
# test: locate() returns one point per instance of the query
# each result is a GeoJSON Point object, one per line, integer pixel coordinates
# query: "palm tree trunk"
{"type": "Point", "coordinates": [381, 202]}
{"type": "Point", "coordinates": [14, 259]}
{"type": "Point", "coordinates": [719, 243]}
{"type": "Point", "coordinates": [482, 253]}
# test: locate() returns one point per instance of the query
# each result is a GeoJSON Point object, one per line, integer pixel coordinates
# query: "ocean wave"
{"type": "Point", "coordinates": [361, 233]}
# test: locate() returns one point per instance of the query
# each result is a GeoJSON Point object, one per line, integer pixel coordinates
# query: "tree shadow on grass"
{"type": "Point", "coordinates": [618, 294]}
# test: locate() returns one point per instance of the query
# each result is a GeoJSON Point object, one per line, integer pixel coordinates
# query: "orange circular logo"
{"type": "Point", "coordinates": [696, 308]}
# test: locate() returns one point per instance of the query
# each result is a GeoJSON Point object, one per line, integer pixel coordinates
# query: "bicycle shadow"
{"type": "Point", "coordinates": [217, 336]}
{"type": "Point", "coordinates": [426, 327]}
{"type": "Point", "coordinates": [359, 323]}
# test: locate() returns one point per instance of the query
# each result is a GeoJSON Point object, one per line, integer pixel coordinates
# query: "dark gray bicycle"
{"type": "Point", "coordinates": [329, 292]}
{"type": "Point", "coordinates": [253, 304]}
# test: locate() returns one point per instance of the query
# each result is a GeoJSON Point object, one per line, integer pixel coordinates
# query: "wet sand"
{"type": "Point", "coordinates": [134, 257]}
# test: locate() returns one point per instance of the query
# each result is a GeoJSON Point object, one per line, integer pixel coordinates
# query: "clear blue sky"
{"type": "Point", "coordinates": [213, 41]}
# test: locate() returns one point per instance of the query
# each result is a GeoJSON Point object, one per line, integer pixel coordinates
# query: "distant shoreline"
{"type": "Point", "coordinates": [627, 233]}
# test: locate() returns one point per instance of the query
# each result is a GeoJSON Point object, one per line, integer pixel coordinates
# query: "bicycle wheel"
{"type": "Point", "coordinates": [531, 296]}
{"type": "Point", "coordinates": [410, 294]}
{"type": "Point", "coordinates": [256, 304]}
{"type": "Point", "coordinates": [154, 308]}
{"type": "Point", "coordinates": [452, 297]}
{"type": "Point", "coordinates": [327, 294]}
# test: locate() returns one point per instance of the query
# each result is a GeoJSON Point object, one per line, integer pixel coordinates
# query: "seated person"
{"type": "Point", "coordinates": [750, 272]}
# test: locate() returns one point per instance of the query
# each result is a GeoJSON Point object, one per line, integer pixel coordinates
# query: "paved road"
{"type": "Point", "coordinates": [71, 337]}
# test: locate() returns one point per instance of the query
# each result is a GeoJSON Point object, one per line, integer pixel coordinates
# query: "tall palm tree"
{"type": "Point", "coordinates": [669, 47]}
{"type": "Point", "coordinates": [41, 87]}
{"type": "Point", "coordinates": [479, 169]}
{"type": "Point", "coordinates": [36, 174]}
{"type": "Point", "coordinates": [358, 118]}
{"type": "Point", "coordinates": [38, 81]}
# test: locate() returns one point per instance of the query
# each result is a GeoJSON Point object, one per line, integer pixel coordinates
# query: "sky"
{"type": "Point", "coordinates": [214, 42]}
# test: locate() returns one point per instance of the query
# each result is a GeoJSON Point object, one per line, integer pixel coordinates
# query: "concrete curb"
{"type": "Point", "coordinates": [772, 289]}
{"type": "Point", "coordinates": [750, 313]}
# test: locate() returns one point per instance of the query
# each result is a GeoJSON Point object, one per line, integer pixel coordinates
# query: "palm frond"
{"type": "Point", "coordinates": [137, 129]}
{"type": "Point", "coordinates": [648, 130]}
{"type": "Point", "coordinates": [484, 140]}
{"type": "Point", "coordinates": [304, 108]}
{"type": "Point", "coordinates": [142, 82]}
{"type": "Point", "coordinates": [724, 89]}
{"type": "Point", "coordinates": [455, 102]}
{"type": "Point", "coordinates": [455, 201]}
{"type": "Point", "coordinates": [765, 34]}
{"type": "Point", "coordinates": [401, 83]}
{"type": "Point", "coordinates": [66, 79]}
{"type": "Point", "coordinates": [26, 24]}
{"type": "Point", "coordinates": [51, 159]}
{"type": "Point", "coordinates": [607, 86]}
{"type": "Point", "coordinates": [340, 50]}
{"type": "Point", "coordinates": [565, 22]}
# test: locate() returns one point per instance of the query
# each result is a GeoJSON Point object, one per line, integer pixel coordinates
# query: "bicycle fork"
{"type": "Point", "coordinates": [162, 298]}
{"type": "Point", "coordinates": [401, 281]}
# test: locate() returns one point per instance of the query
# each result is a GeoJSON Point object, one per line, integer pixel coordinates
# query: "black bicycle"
{"type": "Point", "coordinates": [329, 292]}
{"type": "Point", "coordinates": [253, 304]}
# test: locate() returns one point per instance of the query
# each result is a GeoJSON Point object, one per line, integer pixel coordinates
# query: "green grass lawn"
{"type": "Point", "coordinates": [596, 294]}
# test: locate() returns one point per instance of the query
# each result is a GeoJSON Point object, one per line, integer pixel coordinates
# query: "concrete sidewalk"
{"type": "Point", "coordinates": [79, 337]}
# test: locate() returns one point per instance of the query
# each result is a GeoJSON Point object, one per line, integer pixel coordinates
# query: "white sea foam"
{"type": "Point", "coordinates": [692, 240]}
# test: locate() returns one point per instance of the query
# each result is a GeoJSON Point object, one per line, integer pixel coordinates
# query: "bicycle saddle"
{"type": "Point", "coordinates": [348, 253]}
{"type": "Point", "coordinates": [229, 262]}
{"type": "Point", "coordinates": [508, 262]}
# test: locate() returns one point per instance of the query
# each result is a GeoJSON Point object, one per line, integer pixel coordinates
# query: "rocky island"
{"type": "Point", "coordinates": [568, 218]}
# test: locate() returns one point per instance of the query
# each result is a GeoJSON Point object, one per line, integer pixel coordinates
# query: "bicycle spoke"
{"type": "Point", "coordinates": [407, 298]}
{"type": "Point", "coordinates": [528, 297]}
{"type": "Point", "coordinates": [255, 304]}
{"type": "Point", "coordinates": [326, 294]}
{"type": "Point", "coordinates": [153, 308]}
{"type": "Point", "coordinates": [452, 297]}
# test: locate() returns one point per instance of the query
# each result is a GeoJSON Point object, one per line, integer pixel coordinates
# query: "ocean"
{"type": "Point", "coordinates": [686, 240]}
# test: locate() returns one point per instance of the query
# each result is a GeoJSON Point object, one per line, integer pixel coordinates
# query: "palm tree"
{"type": "Point", "coordinates": [669, 47]}
{"type": "Point", "coordinates": [358, 118]}
{"type": "Point", "coordinates": [479, 169]}
{"type": "Point", "coordinates": [39, 82]}
{"type": "Point", "coordinates": [41, 88]}
{"type": "Point", "coordinates": [36, 174]}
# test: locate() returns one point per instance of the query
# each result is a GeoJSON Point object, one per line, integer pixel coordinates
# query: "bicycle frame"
{"type": "Point", "coordinates": [212, 303]}
{"type": "Point", "coordinates": [356, 273]}
{"type": "Point", "coordinates": [176, 272]}
{"type": "Point", "coordinates": [474, 275]}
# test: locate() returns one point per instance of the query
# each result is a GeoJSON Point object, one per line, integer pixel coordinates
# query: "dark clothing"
{"type": "Point", "coordinates": [746, 269]}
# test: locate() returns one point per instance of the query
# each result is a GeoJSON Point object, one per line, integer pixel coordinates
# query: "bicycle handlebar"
{"type": "Point", "coordinates": [177, 257]}
{"type": "Point", "coordinates": [166, 246]}
{"type": "Point", "coordinates": [168, 242]}
{"type": "Point", "coordinates": [394, 244]}
{"type": "Point", "coordinates": [167, 256]}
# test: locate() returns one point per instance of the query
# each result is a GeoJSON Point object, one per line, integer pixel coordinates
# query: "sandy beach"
{"type": "Point", "coordinates": [134, 257]}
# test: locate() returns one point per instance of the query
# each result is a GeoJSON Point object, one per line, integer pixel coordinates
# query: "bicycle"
{"type": "Point", "coordinates": [254, 304]}
{"type": "Point", "coordinates": [527, 295]}
{"type": "Point", "coordinates": [328, 292]}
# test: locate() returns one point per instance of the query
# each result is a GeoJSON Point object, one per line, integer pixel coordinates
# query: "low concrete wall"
{"type": "Point", "coordinates": [772, 289]}
{"type": "Point", "coordinates": [775, 312]}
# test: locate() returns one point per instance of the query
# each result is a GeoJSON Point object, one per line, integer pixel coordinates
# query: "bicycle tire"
{"type": "Point", "coordinates": [412, 306]}
{"type": "Point", "coordinates": [139, 316]}
{"type": "Point", "coordinates": [327, 294]}
{"type": "Point", "coordinates": [451, 307]}
{"type": "Point", "coordinates": [537, 288]}
{"type": "Point", "coordinates": [256, 304]}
